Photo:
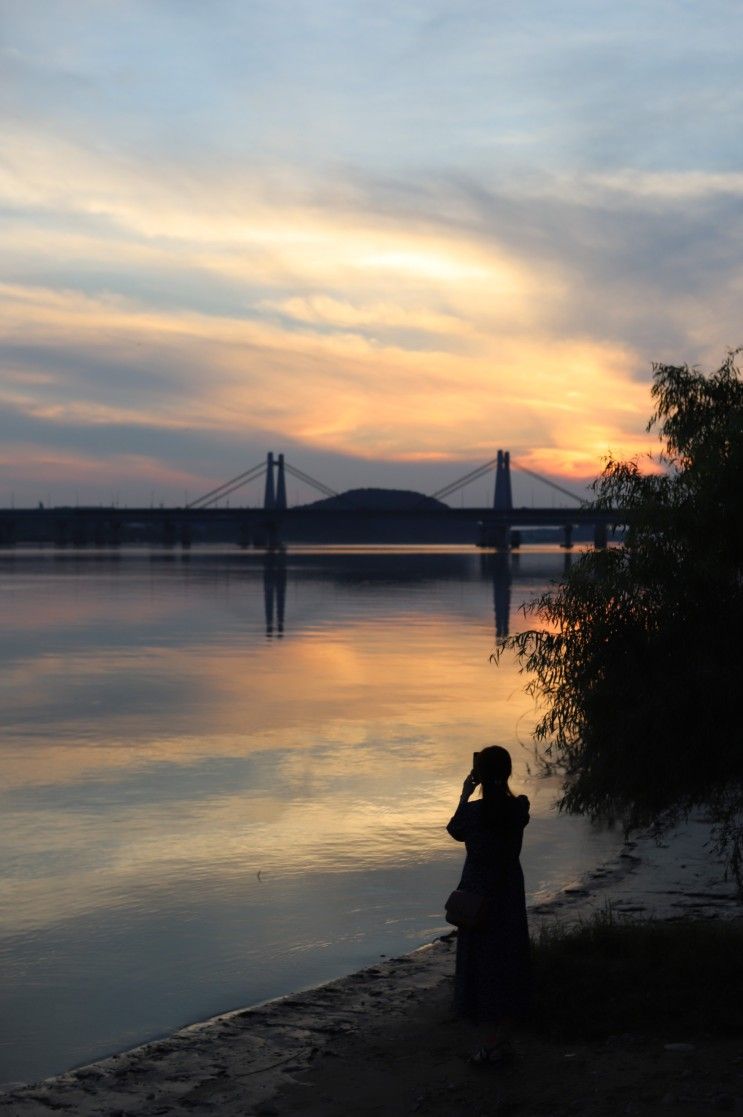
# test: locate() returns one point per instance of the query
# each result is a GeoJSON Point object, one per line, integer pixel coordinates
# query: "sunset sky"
{"type": "Point", "coordinates": [384, 238]}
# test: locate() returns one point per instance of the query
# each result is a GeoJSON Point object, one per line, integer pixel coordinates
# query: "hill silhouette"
{"type": "Point", "coordinates": [377, 500]}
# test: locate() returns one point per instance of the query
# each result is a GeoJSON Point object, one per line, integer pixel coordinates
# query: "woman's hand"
{"type": "Point", "coordinates": [469, 786]}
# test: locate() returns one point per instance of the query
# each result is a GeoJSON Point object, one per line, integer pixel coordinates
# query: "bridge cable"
{"type": "Point", "coordinates": [460, 483]}
{"type": "Point", "coordinates": [301, 476]}
{"type": "Point", "coordinates": [234, 483]}
{"type": "Point", "coordinates": [227, 487]}
{"type": "Point", "coordinates": [457, 485]}
{"type": "Point", "coordinates": [552, 484]}
{"type": "Point", "coordinates": [476, 474]}
{"type": "Point", "coordinates": [228, 491]}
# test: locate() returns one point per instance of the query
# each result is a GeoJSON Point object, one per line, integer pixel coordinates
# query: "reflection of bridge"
{"type": "Point", "coordinates": [498, 569]}
{"type": "Point", "coordinates": [337, 518]}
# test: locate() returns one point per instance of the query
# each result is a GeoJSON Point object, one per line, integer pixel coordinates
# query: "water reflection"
{"type": "Point", "coordinates": [160, 752]}
{"type": "Point", "coordinates": [274, 591]}
{"type": "Point", "coordinates": [497, 567]}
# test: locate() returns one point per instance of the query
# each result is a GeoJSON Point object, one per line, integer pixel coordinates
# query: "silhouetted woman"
{"type": "Point", "coordinates": [492, 984]}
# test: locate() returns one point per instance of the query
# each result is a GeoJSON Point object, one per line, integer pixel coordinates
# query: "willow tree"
{"type": "Point", "coordinates": [637, 656]}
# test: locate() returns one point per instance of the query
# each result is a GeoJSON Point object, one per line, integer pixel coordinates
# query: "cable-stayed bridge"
{"type": "Point", "coordinates": [359, 515]}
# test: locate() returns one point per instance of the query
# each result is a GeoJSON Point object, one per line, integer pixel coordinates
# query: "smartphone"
{"type": "Point", "coordinates": [475, 763]}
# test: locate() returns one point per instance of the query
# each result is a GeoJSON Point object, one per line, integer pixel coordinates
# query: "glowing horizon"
{"type": "Point", "coordinates": [388, 296]}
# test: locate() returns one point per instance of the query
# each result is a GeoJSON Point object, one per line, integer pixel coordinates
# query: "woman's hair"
{"type": "Point", "coordinates": [493, 771]}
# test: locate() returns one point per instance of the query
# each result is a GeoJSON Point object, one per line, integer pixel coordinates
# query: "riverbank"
{"type": "Point", "coordinates": [383, 1040]}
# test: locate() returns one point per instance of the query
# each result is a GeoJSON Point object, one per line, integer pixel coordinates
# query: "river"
{"type": "Point", "coordinates": [226, 776]}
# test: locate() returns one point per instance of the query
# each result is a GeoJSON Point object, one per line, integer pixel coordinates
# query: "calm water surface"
{"type": "Point", "coordinates": [226, 776]}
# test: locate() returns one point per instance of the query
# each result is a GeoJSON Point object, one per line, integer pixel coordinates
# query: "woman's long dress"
{"type": "Point", "coordinates": [493, 975]}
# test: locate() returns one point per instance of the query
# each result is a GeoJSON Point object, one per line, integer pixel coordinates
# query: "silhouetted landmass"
{"type": "Point", "coordinates": [380, 519]}
{"type": "Point", "coordinates": [377, 500]}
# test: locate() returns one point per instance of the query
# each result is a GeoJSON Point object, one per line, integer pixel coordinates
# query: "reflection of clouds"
{"type": "Point", "coordinates": [185, 745]}
{"type": "Point", "coordinates": [79, 861]}
{"type": "Point", "coordinates": [80, 690]}
{"type": "Point", "coordinates": [176, 685]}
{"type": "Point", "coordinates": [57, 614]}
{"type": "Point", "coordinates": [359, 764]}
{"type": "Point", "coordinates": [324, 685]}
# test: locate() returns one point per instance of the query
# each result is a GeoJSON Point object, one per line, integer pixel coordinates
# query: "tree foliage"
{"type": "Point", "coordinates": [638, 661]}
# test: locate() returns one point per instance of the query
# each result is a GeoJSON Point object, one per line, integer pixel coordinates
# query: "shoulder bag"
{"type": "Point", "coordinates": [466, 910]}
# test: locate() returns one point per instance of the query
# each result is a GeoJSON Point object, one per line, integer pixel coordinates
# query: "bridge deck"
{"type": "Point", "coordinates": [256, 526]}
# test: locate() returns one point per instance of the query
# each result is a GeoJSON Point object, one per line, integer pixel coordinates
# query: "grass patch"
{"type": "Point", "coordinates": [609, 976]}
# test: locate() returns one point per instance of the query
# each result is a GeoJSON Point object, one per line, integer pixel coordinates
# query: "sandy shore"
{"type": "Point", "coordinates": [383, 1040]}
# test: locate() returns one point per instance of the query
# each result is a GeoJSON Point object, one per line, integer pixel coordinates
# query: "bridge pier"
{"type": "Point", "coordinates": [567, 537]}
{"type": "Point", "coordinates": [61, 533]}
{"type": "Point", "coordinates": [268, 536]}
{"type": "Point", "coordinates": [502, 538]}
{"type": "Point", "coordinates": [80, 532]}
{"type": "Point", "coordinates": [497, 537]}
{"type": "Point", "coordinates": [7, 533]}
{"type": "Point", "coordinates": [273, 541]}
{"type": "Point", "coordinates": [600, 536]}
{"type": "Point", "coordinates": [106, 532]}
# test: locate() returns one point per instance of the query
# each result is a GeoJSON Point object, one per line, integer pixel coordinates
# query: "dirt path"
{"type": "Point", "coordinates": [383, 1040]}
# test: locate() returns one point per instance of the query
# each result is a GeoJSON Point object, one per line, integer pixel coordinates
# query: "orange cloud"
{"type": "Point", "coordinates": [376, 338]}
{"type": "Point", "coordinates": [344, 391]}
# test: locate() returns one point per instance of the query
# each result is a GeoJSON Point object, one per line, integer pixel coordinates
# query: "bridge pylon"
{"type": "Point", "coordinates": [269, 494]}
{"type": "Point", "coordinates": [274, 497]}
{"type": "Point", "coordinates": [503, 497]}
{"type": "Point", "coordinates": [281, 486]}
{"type": "Point", "coordinates": [500, 536]}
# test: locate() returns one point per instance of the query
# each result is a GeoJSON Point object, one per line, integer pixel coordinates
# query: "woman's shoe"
{"type": "Point", "coordinates": [499, 1055]}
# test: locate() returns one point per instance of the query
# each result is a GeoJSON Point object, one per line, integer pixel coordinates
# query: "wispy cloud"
{"type": "Point", "coordinates": [409, 234]}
